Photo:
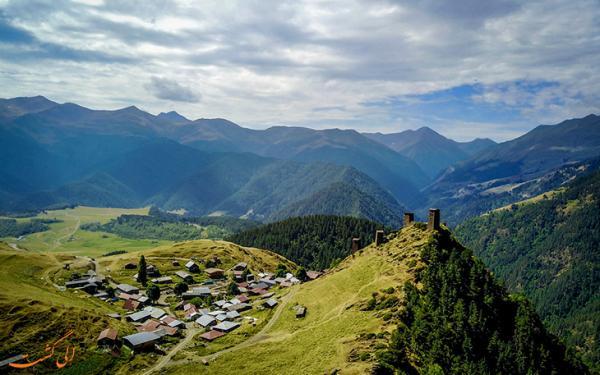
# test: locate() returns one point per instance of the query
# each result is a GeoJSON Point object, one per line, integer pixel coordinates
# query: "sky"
{"type": "Point", "coordinates": [466, 68]}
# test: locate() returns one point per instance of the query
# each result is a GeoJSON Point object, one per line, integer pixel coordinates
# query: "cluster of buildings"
{"type": "Point", "coordinates": [220, 317]}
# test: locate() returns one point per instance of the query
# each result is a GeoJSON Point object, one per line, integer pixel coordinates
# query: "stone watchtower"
{"type": "Point", "coordinates": [379, 237]}
{"type": "Point", "coordinates": [409, 218]}
{"type": "Point", "coordinates": [434, 219]}
{"type": "Point", "coordinates": [355, 244]}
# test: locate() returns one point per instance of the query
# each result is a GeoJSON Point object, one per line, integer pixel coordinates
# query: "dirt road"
{"type": "Point", "coordinates": [260, 336]}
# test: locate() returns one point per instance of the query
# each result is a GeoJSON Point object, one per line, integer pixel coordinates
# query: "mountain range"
{"type": "Point", "coordinates": [69, 154]}
{"type": "Point", "coordinates": [431, 151]}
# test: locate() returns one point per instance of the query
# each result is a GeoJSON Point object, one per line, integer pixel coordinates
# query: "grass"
{"type": "Point", "coordinates": [33, 312]}
{"type": "Point", "coordinates": [331, 336]}
{"type": "Point", "coordinates": [162, 257]}
{"type": "Point", "coordinates": [547, 195]}
{"type": "Point", "coordinates": [67, 237]}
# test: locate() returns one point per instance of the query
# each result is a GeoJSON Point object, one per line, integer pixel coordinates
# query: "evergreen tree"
{"type": "Point", "coordinates": [142, 271]}
{"type": "Point", "coordinates": [311, 241]}
{"type": "Point", "coordinates": [180, 288]}
{"type": "Point", "coordinates": [233, 289]}
{"type": "Point", "coordinates": [281, 270]}
{"type": "Point", "coordinates": [153, 292]}
{"type": "Point", "coordinates": [301, 274]}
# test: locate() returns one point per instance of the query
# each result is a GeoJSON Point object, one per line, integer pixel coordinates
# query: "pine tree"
{"type": "Point", "coordinates": [153, 292]}
{"type": "Point", "coordinates": [142, 271]}
{"type": "Point", "coordinates": [180, 288]}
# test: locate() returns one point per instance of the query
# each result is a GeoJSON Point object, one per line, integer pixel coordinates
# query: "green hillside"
{"type": "Point", "coordinates": [63, 232]}
{"type": "Point", "coordinates": [419, 303]}
{"type": "Point", "coordinates": [342, 199]}
{"type": "Point", "coordinates": [33, 312]}
{"type": "Point", "coordinates": [548, 250]}
{"type": "Point", "coordinates": [315, 242]}
{"type": "Point", "coordinates": [164, 226]}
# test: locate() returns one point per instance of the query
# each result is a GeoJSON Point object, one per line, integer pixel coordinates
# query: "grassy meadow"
{"type": "Point", "coordinates": [163, 256]}
{"type": "Point", "coordinates": [337, 332]}
{"type": "Point", "coordinates": [33, 312]}
{"type": "Point", "coordinates": [67, 237]}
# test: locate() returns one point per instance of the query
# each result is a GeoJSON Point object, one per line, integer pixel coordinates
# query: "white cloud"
{"type": "Point", "coordinates": [263, 63]}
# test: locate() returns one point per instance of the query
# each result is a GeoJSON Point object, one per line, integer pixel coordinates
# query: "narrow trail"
{"type": "Point", "coordinates": [258, 337]}
{"type": "Point", "coordinates": [189, 336]}
{"type": "Point", "coordinates": [59, 240]}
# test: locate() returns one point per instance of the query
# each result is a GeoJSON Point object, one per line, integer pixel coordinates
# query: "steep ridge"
{"type": "Point", "coordinates": [547, 248]}
{"type": "Point", "coordinates": [418, 303]}
{"type": "Point", "coordinates": [429, 149]}
{"type": "Point", "coordinates": [543, 154]}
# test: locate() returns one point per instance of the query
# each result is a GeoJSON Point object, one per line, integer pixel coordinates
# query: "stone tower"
{"type": "Point", "coordinates": [409, 218]}
{"type": "Point", "coordinates": [355, 244]}
{"type": "Point", "coordinates": [379, 237]}
{"type": "Point", "coordinates": [434, 219]}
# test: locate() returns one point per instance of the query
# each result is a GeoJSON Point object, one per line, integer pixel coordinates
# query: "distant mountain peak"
{"type": "Point", "coordinates": [426, 130]}
{"type": "Point", "coordinates": [172, 116]}
{"type": "Point", "coordinates": [131, 108]}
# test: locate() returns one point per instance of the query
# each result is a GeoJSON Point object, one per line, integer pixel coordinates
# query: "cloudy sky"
{"type": "Point", "coordinates": [467, 68]}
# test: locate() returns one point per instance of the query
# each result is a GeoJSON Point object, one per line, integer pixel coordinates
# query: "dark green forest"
{"type": "Point", "coordinates": [549, 251]}
{"type": "Point", "coordinates": [165, 226]}
{"type": "Point", "coordinates": [315, 242]}
{"type": "Point", "coordinates": [462, 321]}
{"type": "Point", "coordinates": [14, 228]}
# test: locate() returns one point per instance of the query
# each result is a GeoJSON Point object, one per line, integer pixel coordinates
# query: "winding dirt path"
{"type": "Point", "coordinates": [59, 240]}
{"type": "Point", "coordinates": [189, 336]}
{"type": "Point", "coordinates": [258, 337]}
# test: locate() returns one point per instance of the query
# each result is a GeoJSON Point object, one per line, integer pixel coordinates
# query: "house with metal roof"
{"type": "Point", "coordinates": [163, 280]}
{"type": "Point", "coordinates": [139, 316]}
{"type": "Point", "coordinates": [201, 291]}
{"type": "Point", "coordinates": [206, 321]}
{"type": "Point", "coordinates": [108, 337]}
{"type": "Point", "coordinates": [226, 326]}
{"type": "Point", "coordinates": [241, 266]}
{"type": "Point", "coordinates": [155, 312]}
{"type": "Point", "coordinates": [221, 317]}
{"type": "Point", "coordinates": [214, 273]}
{"type": "Point", "coordinates": [192, 266]}
{"type": "Point", "coordinates": [185, 276]}
{"type": "Point", "coordinates": [270, 303]}
{"type": "Point", "coordinates": [141, 341]}
{"type": "Point", "coordinates": [212, 335]}
{"type": "Point", "coordinates": [131, 305]}
{"type": "Point", "coordinates": [126, 288]}
{"type": "Point", "coordinates": [240, 307]}
{"type": "Point", "coordinates": [231, 315]}
{"type": "Point", "coordinates": [300, 312]}
{"type": "Point", "coordinates": [217, 312]}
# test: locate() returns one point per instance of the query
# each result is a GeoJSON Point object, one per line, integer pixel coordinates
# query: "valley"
{"type": "Point", "coordinates": [296, 247]}
{"type": "Point", "coordinates": [66, 235]}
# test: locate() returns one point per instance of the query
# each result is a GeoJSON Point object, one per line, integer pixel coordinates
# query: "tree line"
{"type": "Point", "coordinates": [315, 242]}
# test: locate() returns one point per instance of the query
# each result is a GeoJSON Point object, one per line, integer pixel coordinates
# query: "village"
{"type": "Point", "coordinates": [195, 297]}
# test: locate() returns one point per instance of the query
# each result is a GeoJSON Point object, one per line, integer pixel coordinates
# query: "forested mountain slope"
{"type": "Point", "coordinates": [312, 241]}
{"type": "Point", "coordinates": [542, 159]}
{"type": "Point", "coordinates": [71, 135]}
{"type": "Point", "coordinates": [548, 250]}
